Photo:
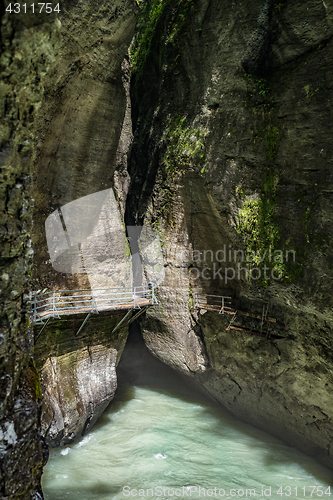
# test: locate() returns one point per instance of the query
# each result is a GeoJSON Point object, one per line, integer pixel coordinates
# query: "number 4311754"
{"type": "Point", "coordinates": [36, 8]}
{"type": "Point", "coordinates": [309, 491]}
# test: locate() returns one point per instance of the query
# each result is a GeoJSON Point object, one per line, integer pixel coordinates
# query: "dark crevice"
{"type": "Point", "coordinates": [258, 60]}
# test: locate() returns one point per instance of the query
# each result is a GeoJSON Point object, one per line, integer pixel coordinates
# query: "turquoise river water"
{"type": "Point", "coordinates": [161, 439]}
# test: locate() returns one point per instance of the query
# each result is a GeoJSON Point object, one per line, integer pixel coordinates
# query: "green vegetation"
{"type": "Point", "coordinates": [259, 99]}
{"type": "Point", "coordinates": [176, 15]}
{"type": "Point", "coordinates": [279, 6]}
{"type": "Point", "coordinates": [258, 226]}
{"type": "Point", "coordinates": [257, 220]}
{"type": "Point", "coordinates": [308, 90]}
{"type": "Point", "coordinates": [248, 225]}
{"type": "Point", "coordinates": [164, 210]}
{"type": "Point", "coordinates": [258, 90]}
{"type": "Point", "coordinates": [239, 191]}
{"type": "Point", "coordinates": [34, 380]}
{"type": "Point", "coordinates": [127, 247]}
{"type": "Point", "coordinates": [183, 150]}
{"type": "Point", "coordinates": [272, 136]}
{"type": "Point", "coordinates": [185, 147]}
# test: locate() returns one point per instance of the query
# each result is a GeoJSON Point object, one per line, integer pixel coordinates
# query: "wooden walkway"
{"type": "Point", "coordinates": [46, 306]}
{"type": "Point", "coordinates": [218, 303]}
{"type": "Point", "coordinates": [222, 305]}
{"type": "Point", "coordinates": [98, 308]}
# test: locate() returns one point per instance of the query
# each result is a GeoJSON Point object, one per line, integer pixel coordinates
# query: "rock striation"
{"type": "Point", "coordinates": [78, 373]}
{"type": "Point", "coordinates": [80, 122]}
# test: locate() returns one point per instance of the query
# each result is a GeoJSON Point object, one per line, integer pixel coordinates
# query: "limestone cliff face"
{"type": "Point", "coordinates": [77, 150]}
{"type": "Point", "coordinates": [81, 119]}
{"type": "Point", "coordinates": [232, 118]}
{"type": "Point", "coordinates": [28, 47]}
{"type": "Point", "coordinates": [78, 373]}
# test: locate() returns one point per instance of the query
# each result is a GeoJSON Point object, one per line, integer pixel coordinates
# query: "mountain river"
{"type": "Point", "coordinates": [162, 439]}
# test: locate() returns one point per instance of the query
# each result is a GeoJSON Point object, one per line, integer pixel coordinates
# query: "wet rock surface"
{"type": "Point", "coordinates": [78, 373]}
{"type": "Point", "coordinates": [231, 112]}
{"type": "Point", "coordinates": [62, 106]}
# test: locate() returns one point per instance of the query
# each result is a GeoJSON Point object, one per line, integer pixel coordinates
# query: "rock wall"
{"type": "Point", "coordinates": [63, 104]}
{"type": "Point", "coordinates": [81, 119]}
{"type": "Point", "coordinates": [77, 153]}
{"type": "Point", "coordinates": [29, 46]}
{"type": "Point", "coordinates": [232, 150]}
{"type": "Point", "coordinates": [78, 373]}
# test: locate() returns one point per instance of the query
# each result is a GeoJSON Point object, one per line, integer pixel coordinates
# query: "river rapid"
{"type": "Point", "coordinates": [162, 439]}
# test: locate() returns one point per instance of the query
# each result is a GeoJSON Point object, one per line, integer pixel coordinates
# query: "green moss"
{"type": "Point", "coordinates": [176, 16]}
{"type": "Point", "coordinates": [127, 248]}
{"type": "Point", "coordinates": [34, 380]}
{"type": "Point", "coordinates": [296, 271]}
{"type": "Point", "coordinates": [259, 100]}
{"type": "Point", "coordinates": [146, 26]}
{"type": "Point", "coordinates": [258, 226]}
{"type": "Point", "coordinates": [258, 93]}
{"type": "Point", "coordinates": [185, 147]}
{"type": "Point", "coordinates": [272, 136]}
{"type": "Point", "coordinates": [308, 91]}
{"type": "Point", "coordinates": [248, 224]}
{"type": "Point", "coordinates": [239, 191]}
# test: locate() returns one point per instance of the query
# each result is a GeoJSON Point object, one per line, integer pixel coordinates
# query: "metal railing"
{"type": "Point", "coordinates": [55, 304]}
{"type": "Point", "coordinates": [219, 303]}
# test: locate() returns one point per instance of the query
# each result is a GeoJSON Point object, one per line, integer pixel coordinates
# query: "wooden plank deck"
{"type": "Point", "coordinates": [217, 308]}
{"type": "Point", "coordinates": [141, 302]}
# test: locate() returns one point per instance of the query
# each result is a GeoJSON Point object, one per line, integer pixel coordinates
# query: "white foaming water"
{"type": "Point", "coordinates": [160, 439]}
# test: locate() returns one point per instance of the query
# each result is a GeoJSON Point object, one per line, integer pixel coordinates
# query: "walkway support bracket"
{"type": "Point", "coordinates": [137, 315]}
{"type": "Point", "coordinates": [48, 319]}
{"type": "Point", "coordinates": [85, 321]}
{"type": "Point", "coordinates": [122, 320]}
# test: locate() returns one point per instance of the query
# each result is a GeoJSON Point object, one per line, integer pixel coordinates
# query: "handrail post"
{"type": "Point", "coordinates": [92, 300]}
{"type": "Point", "coordinates": [53, 302]}
{"type": "Point", "coordinates": [35, 309]}
{"type": "Point", "coordinates": [134, 297]}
